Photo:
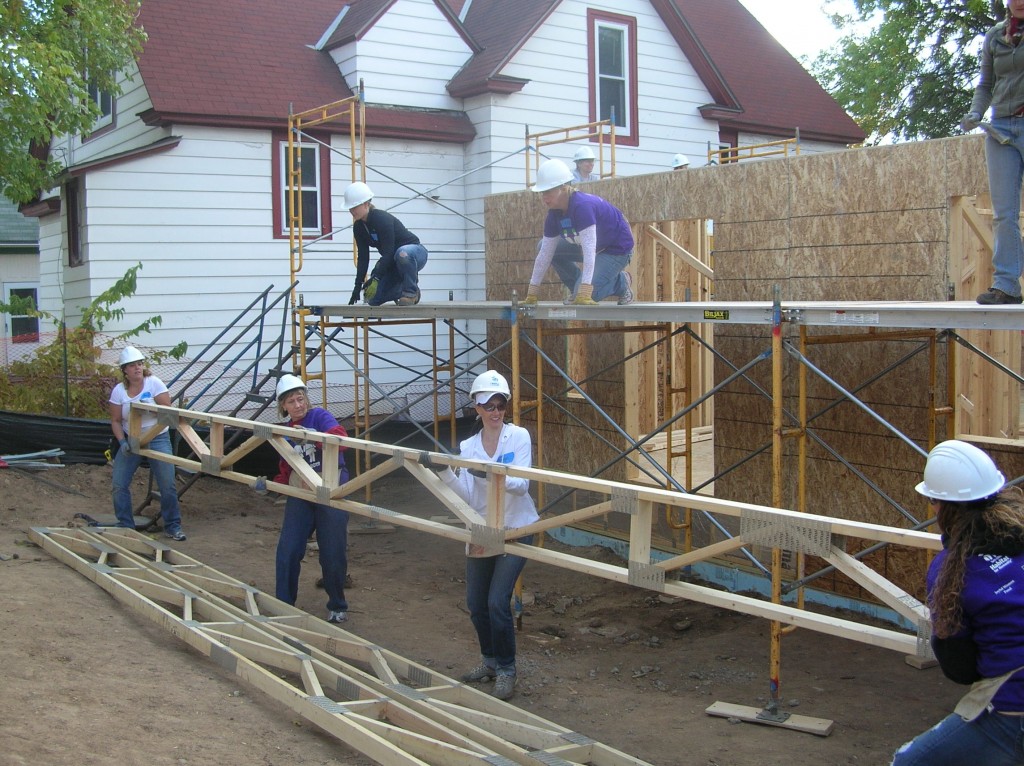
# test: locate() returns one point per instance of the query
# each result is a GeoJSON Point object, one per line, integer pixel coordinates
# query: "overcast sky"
{"type": "Point", "coordinates": [801, 26]}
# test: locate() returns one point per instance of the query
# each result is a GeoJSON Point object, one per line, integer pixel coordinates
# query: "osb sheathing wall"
{"type": "Point", "coordinates": [864, 224]}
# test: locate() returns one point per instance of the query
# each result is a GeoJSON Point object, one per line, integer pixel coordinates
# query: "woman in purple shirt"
{"type": "Point", "coordinates": [976, 600]}
{"type": "Point", "coordinates": [581, 229]}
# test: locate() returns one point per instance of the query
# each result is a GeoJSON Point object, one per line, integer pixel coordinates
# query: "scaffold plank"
{"type": "Point", "coordinates": [965, 315]}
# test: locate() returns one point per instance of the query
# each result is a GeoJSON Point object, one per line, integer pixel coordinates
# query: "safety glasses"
{"type": "Point", "coordinates": [492, 406]}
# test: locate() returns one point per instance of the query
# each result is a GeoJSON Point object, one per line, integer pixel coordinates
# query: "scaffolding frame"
{"type": "Point", "coordinates": [883, 320]}
{"type": "Point", "coordinates": [585, 132]}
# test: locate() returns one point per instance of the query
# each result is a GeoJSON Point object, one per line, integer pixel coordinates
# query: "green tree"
{"type": "Point", "coordinates": [51, 52]}
{"type": "Point", "coordinates": [912, 74]}
{"type": "Point", "coordinates": [66, 377]}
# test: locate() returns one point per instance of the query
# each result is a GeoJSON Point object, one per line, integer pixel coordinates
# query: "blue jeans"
{"type": "Point", "coordinates": [490, 581]}
{"type": "Point", "coordinates": [1005, 171]}
{"type": "Point", "coordinates": [991, 739]}
{"type": "Point", "coordinates": [301, 518]}
{"type": "Point", "coordinates": [608, 276]}
{"type": "Point", "coordinates": [403, 277]}
{"type": "Point", "coordinates": [126, 464]}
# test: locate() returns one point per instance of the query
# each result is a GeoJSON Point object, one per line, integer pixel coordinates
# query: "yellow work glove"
{"type": "Point", "coordinates": [531, 296]}
{"type": "Point", "coordinates": [583, 296]}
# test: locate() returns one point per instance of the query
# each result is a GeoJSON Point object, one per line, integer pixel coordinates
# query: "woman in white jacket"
{"type": "Point", "coordinates": [491, 579]}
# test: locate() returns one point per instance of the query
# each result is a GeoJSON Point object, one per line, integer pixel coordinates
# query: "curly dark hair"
{"type": "Point", "coordinates": [992, 525]}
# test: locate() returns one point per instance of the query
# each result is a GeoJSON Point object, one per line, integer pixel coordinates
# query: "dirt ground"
{"type": "Point", "coordinates": [86, 681]}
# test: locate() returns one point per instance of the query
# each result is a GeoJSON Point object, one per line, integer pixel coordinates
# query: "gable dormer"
{"type": "Point", "coordinates": [376, 41]}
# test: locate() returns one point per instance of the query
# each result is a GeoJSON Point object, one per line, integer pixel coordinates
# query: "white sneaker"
{"type": "Point", "coordinates": [337, 617]}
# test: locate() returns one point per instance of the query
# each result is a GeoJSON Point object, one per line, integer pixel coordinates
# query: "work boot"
{"type": "Point", "coordinates": [994, 297]}
{"type": "Point", "coordinates": [504, 686]}
{"type": "Point", "coordinates": [409, 300]}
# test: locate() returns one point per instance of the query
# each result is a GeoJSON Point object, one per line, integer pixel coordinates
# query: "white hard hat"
{"type": "Point", "coordinates": [287, 384]}
{"type": "Point", "coordinates": [486, 385]}
{"type": "Point", "coordinates": [583, 153]}
{"type": "Point", "coordinates": [551, 174]}
{"type": "Point", "coordinates": [129, 354]}
{"type": "Point", "coordinates": [680, 161]}
{"type": "Point", "coordinates": [959, 472]}
{"type": "Point", "coordinates": [356, 194]}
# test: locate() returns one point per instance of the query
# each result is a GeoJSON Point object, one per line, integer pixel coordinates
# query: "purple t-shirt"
{"type": "Point", "coordinates": [993, 608]}
{"type": "Point", "coordinates": [614, 236]}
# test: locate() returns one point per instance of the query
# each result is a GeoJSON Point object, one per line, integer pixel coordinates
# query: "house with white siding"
{"type": "Point", "coordinates": [184, 172]}
{"type": "Point", "coordinates": [19, 278]}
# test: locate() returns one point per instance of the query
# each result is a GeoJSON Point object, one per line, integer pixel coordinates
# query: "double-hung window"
{"type": "Point", "coordinates": [23, 328]}
{"type": "Point", "coordinates": [613, 73]}
{"type": "Point", "coordinates": [308, 194]}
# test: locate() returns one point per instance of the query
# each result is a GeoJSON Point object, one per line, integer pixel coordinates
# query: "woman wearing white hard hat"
{"type": "Point", "coordinates": [304, 517]}
{"type": "Point", "coordinates": [976, 601]}
{"type": "Point", "coordinates": [584, 162]}
{"type": "Point", "coordinates": [490, 580]}
{"type": "Point", "coordinates": [586, 239]}
{"type": "Point", "coordinates": [395, 276]}
{"type": "Point", "coordinates": [138, 384]}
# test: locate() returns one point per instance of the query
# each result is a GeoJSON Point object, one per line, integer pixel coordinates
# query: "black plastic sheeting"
{"type": "Point", "coordinates": [82, 440]}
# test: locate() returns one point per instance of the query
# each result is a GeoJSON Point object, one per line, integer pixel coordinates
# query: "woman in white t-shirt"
{"type": "Point", "coordinates": [490, 580]}
{"type": "Point", "coordinates": [141, 385]}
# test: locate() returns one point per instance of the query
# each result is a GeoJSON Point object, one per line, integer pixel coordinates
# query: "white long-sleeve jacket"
{"type": "Point", "coordinates": [514, 448]}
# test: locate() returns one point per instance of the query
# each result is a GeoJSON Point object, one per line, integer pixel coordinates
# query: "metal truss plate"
{"type": "Point", "coordinates": [646, 576]}
{"type": "Point", "coordinates": [548, 759]}
{"type": "Point", "coordinates": [326, 703]}
{"type": "Point", "coordinates": [490, 539]}
{"type": "Point", "coordinates": [407, 691]}
{"type": "Point", "coordinates": [578, 739]}
{"type": "Point", "coordinates": [376, 512]}
{"type": "Point", "coordinates": [786, 532]}
{"type": "Point", "coordinates": [167, 419]}
{"type": "Point", "coordinates": [625, 500]}
{"type": "Point", "coordinates": [420, 676]}
{"type": "Point", "coordinates": [323, 494]}
{"type": "Point", "coordinates": [210, 464]}
{"type": "Point", "coordinates": [346, 688]}
{"type": "Point", "coordinates": [924, 640]}
{"type": "Point", "coordinates": [262, 431]}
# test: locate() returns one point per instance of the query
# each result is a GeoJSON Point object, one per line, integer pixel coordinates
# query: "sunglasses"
{"type": "Point", "coordinates": [492, 406]}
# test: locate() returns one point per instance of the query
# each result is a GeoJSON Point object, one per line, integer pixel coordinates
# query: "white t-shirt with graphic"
{"type": "Point", "coordinates": [152, 387]}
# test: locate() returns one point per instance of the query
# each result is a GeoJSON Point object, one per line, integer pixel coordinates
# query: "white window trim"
{"type": "Point", "coordinates": [106, 115]}
{"type": "Point", "coordinates": [9, 287]}
{"type": "Point", "coordinates": [317, 187]}
{"type": "Point", "coordinates": [623, 31]}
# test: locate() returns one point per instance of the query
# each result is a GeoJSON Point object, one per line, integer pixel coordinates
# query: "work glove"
{"type": "Point", "coordinates": [355, 295]}
{"type": "Point", "coordinates": [427, 461]}
{"type": "Point", "coordinates": [477, 473]}
{"type": "Point", "coordinates": [583, 296]}
{"type": "Point", "coordinates": [260, 485]}
{"type": "Point", "coordinates": [370, 289]}
{"type": "Point", "coordinates": [531, 296]}
{"type": "Point", "coordinates": [125, 446]}
{"type": "Point", "coordinates": [970, 121]}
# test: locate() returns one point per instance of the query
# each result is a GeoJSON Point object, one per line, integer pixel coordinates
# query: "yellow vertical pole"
{"type": "Point", "coordinates": [775, 662]}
